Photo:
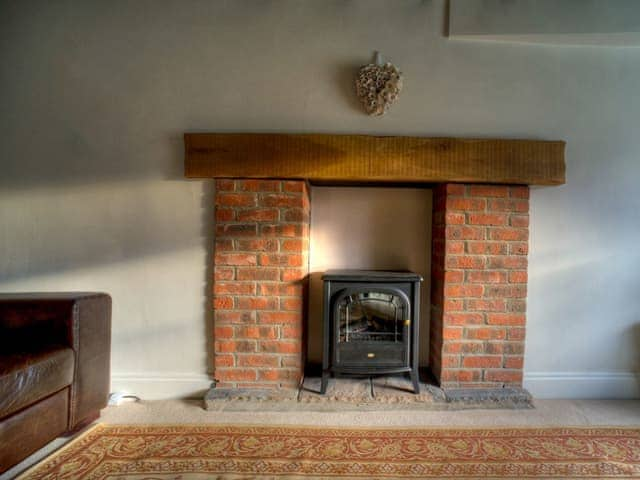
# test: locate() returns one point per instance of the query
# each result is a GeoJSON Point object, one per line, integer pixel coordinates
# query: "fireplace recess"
{"type": "Point", "coordinates": [370, 324]}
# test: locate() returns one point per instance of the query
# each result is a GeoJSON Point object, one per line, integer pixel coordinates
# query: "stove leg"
{"type": "Point", "coordinates": [415, 380]}
{"type": "Point", "coordinates": [325, 381]}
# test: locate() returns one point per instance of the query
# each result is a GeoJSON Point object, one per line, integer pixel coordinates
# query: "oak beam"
{"type": "Point", "coordinates": [372, 160]}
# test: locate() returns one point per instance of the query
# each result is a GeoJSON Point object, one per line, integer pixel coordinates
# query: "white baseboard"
{"type": "Point", "coordinates": [160, 385]}
{"type": "Point", "coordinates": [601, 385]}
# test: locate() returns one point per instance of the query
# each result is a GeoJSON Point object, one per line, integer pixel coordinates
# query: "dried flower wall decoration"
{"type": "Point", "coordinates": [378, 85]}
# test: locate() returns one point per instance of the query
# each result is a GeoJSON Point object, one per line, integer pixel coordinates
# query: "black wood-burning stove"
{"type": "Point", "coordinates": [370, 324]}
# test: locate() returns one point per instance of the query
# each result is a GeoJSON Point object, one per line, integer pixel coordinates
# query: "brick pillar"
{"type": "Point", "coordinates": [479, 285]}
{"type": "Point", "coordinates": [260, 267]}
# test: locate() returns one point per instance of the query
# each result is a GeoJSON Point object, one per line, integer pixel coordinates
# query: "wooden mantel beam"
{"type": "Point", "coordinates": [374, 160]}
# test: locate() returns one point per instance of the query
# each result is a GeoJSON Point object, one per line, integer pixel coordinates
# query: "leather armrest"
{"type": "Point", "coordinates": [81, 321]}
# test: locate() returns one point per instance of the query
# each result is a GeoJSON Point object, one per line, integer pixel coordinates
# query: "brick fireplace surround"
{"type": "Point", "coordinates": [478, 284]}
{"type": "Point", "coordinates": [480, 236]}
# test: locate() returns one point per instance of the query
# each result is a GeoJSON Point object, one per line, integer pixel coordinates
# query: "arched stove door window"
{"type": "Point", "coordinates": [372, 315]}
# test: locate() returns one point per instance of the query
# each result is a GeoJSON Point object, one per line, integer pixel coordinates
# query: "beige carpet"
{"type": "Point", "coordinates": [545, 413]}
{"type": "Point", "coordinates": [190, 452]}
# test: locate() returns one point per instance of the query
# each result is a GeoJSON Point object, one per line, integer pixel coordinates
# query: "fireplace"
{"type": "Point", "coordinates": [480, 233]}
{"type": "Point", "coordinates": [370, 324]}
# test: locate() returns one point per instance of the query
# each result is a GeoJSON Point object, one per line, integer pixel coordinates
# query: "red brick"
{"type": "Point", "coordinates": [294, 304]}
{"type": "Point", "coordinates": [236, 200]}
{"type": "Point", "coordinates": [518, 248]}
{"type": "Point", "coordinates": [450, 361]}
{"type": "Point", "coordinates": [463, 290]}
{"type": "Point", "coordinates": [237, 230]}
{"type": "Point", "coordinates": [507, 262]}
{"type": "Point", "coordinates": [463, 318]}
{"type": "Point", "coordinates": [225, 185]}
{"type": "Point", "coordinates": [225, 214]}
{"type": "Point", "coordinates": [505, 291]}
{"type": "Point", "coordinates": [223, 332]}
{"type": "Point", "coordinates": [454, 247]}
{"type": "Point", "coordinates": [224, 273]}
{"type": "Point", "coordinates": [258, 360]}
{"type": "Point", "coordinates": [291, 361]}
{"type": "Point", "coordinates": [294, 245]}
{"type": "Point", "coordinates": [453, 276]}
{"type": "Point", "coordinates": [461, 376]}
{"type": "Point", "coordinates": [280, 346]}
{"type": "Point", "coordinates": [233, 317]}
{"type": "Point", "coordinates": [488, 191]}
{"type": "Point", "coordinates": [462, 232]}
{"type": "Point", "coordinates": [295, 215]}
{"type": "Point", "coordinates": [284, 230]}
{"type": "Point", "coordinates": [518, 277]}
{"type": "Point", "coordinates": [508, 234]}
{"type": "Point", "coordinates": [257, 332]}
{"type": "Point", "coordinates": [465, 204]}
{"type": "Point", "coordinates": [223, 303]}
{"type": "Point", "coordinates": [254, 185]}
{"type": "Point", "coordinates": [482, 361]}
{"type": "Point", "coordinates": [487, 219]}
{"type": "Point", "coordinates": [516, 333]}
{"type": "Point", "coordinates": [452, 333]}
{"type": "Point", "coordinates": [258, 215]}
{"type": "Point", "coordinates": [257, 245]}
{"type": "Point", "coordinates": [257, 303]}
{"type": "Point", "coordinates": [516, 305]}
{"type": "Point", "coordinates": [487, 248]}
{"type": "Point", "coordinates": [285, 289]}
{"type": "Point", "coordinates": [261, 273]}
{"type": "Point", "coordinates": [514, 362]}
{"type": "Point", "coordinates": [292, 274]}
{"type": "Point", "coordinates": [455, 189]}
{"type": "Point", "coordinates": [224, 360]}
{"type": "Point", "coordinates": [282, 260]}
{"type": "Point", "coordinates": [233, 346]}
{"type": "Point", "coordinates": [464, 262]}
{"type": "Point", "coordinates": [235, 374]}
{"type": "Point", "coordinates": [508, 205]}
{"type": "Point", "coordinates": [291, 332]}
{"type": "Point", "coordinates": [519, 220]}
{"type": "Point", "coordinates": [505, 376]}
{"type": "Point", "coordinates": [282, 200]}
{"type": "Point", "coordinates": [280, 317]}
{"type": "Point", "coordinates": [279, 375]}
{"type": "Point", "coordinates": [485, 333]}
{"type": "Point", "coordinates": [223, 245]}
{"type": "Point", "coordinates": [486, 277]}
{"type": "Point", "coordinates": [454, 219]}
{"type": "Point", "coordinates": [519, 192]}
{"type": "Point", "coordinates": [293, 186]}
{"type": "Point", "coordinates": [487, 305]}
{"type": "Point", "coordinates": [236, 259]}
{"type": "Point", "coordinates": [453, 305]}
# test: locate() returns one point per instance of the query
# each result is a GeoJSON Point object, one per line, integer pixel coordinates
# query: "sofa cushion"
{"type": "Point", "coordinates": [29, 376]}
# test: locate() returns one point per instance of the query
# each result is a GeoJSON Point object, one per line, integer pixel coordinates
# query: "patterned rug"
{"type": "Point", "coordinates": [186, 452]}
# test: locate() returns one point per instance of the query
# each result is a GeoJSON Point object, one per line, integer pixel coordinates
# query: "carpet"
{"type": "Point", "coordinates": [196, 452]}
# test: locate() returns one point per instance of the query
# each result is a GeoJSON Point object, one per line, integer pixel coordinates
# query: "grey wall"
{"type": "Point", "coordinates": [96, 95]}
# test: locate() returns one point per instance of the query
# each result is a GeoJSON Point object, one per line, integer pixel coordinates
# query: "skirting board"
{"type": "Point", "coordinates": [160, 385]}
{"type": "Point", "coordinates": [601, 385]}
{"type": "Point", "coordinates": [595, 385]}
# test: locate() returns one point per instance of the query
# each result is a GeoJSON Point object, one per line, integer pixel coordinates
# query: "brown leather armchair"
{"type": "Point", "coordinates": [54, 367]}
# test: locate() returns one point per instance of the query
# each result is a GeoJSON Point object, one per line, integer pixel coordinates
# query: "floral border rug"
{"type": "Point", "coordinates": [196, 452]}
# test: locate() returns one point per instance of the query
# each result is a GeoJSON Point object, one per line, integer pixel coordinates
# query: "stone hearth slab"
{"type": "Point", "coordinates": [364, 394]}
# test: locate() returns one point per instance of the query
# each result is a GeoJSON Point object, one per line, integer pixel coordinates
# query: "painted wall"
{"type": "Point", "coordinates": [96, 95]}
